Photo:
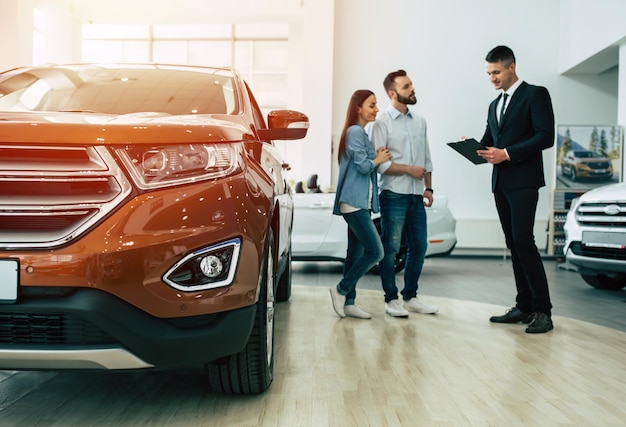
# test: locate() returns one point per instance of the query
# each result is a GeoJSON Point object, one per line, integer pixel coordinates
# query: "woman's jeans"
{"type": "Point", "coordinates": [402, 213]}
{"type": "Point", "coordinates": [364, 251]}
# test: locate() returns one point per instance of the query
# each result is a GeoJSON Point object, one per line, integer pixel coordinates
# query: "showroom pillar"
{"type": "Point", "coordinates": [621, 96]}
{"type": "Point", "coordinates": [16, 32]}
{"type": "Point", "coordinates": [36, 32]}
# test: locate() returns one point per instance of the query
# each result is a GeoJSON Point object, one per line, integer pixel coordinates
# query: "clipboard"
{"type": "Point", "coordinates": [467, 148]}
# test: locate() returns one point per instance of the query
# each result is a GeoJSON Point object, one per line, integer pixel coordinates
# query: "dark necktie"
{"type": "Point", "coordinates": [504, 97]}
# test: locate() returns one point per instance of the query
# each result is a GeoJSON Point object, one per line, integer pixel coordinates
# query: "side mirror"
{"type": "Point", "coordinates": [285, 124]}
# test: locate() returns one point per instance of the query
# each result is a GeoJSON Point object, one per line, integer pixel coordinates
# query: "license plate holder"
{"type": "Point", "coordinates": [602, 239]}
{"type": "Point", "coordinates": [9, 280]}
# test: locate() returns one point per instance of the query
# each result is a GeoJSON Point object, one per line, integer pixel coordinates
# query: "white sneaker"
{"type": "Point", "coordinates": [417, 306]}
{"type": "Point", "coordinates": [354, 311]}
{"type": "Point", "coordinates": [338, 301]}
{"type": "Point", "coordinates": [394, 308]}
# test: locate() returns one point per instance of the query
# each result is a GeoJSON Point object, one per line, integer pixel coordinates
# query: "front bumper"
{"type": "Point", "coordinates": [91, 329]}
{"type": "Point", "coordinates": [596, 260]}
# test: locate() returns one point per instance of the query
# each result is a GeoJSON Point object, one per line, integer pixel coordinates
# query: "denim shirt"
{"type": "Point", "coordinates": [357, 172]}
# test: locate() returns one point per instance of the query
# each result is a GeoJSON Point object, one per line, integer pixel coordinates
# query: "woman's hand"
{"type": "Point", "coordinates": [382, 155]}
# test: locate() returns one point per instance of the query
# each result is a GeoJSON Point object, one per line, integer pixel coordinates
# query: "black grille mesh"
{"type": "Point", "coordinates": [50, 329]}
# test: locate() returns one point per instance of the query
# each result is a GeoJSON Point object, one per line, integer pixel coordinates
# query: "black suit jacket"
{"type": "Point", "coordinates": [526, 130]}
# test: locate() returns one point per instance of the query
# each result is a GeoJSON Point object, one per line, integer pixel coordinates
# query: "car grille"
{"type": "Point", "coordinates": [49, 195]}
{"type": "Point", "coordinates": [50, 329]}
{"type": "Point", "coordinates": [602, 214]}
{"type": "Point", "coordinates": [598, 252]}
{"type": "Point", "coordinates": [597, 165]}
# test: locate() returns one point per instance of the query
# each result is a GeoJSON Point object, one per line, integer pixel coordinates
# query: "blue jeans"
{"type": "Point", "coordinates": [364, 251]}
{"type": "Point", "coordinates": [402, 213]}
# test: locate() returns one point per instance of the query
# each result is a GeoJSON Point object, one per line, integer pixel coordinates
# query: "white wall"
{"type": "Point", "coordinates": [589, 27]}
{"type": "Point", "coordinates": [442, 45]}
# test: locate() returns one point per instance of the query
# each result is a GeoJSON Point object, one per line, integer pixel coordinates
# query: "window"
{"type": "Point", "coordinates": [258, 51]}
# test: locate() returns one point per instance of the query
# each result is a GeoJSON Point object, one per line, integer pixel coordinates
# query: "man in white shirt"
{"type": "Point", "coordinates": [406, 187]}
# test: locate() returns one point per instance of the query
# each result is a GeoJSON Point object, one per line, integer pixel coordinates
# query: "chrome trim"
{"type": "Point", "coordinates": [603, 213]}
{"type": "Point", "coordinates": [106, 358]}
{"type": "Point", "coordinates": [236, 243]}
{"type": "Point", "coordinates": [612, 209]}
{"type": "Point", "coordinates": [100, 167]}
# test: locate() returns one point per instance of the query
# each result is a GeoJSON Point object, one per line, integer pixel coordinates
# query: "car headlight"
{"type": "Point", "coordinates": [155, 167]}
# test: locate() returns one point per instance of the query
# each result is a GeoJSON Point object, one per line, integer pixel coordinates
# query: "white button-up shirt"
{"type": "Point", "coordinates": [405, 137]}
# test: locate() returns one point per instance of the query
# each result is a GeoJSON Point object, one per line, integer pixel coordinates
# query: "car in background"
{"type": "Point", "coordinates": [145, 221]}
{"type": "Point", "coordinates": [318, 235]}
{"type": "Point", "coordinates": [595, 241]}
{"type": "Point", "coordinates": [577, 164]}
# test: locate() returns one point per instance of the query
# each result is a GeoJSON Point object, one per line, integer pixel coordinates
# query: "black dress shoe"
{"type": "Point", "coordinates": [513, 315]}
{"type": "Point", "coordinates": [541, 323]}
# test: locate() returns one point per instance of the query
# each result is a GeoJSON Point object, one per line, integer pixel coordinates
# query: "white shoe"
{"type": "Point", "coordinates": [394, 308]}
{"type": "Point", "coordinates": [417, 306]}
{"type": "Point", "coordinates": [338, 301]}
{"type": "Point", "coordinates": [354, 311]}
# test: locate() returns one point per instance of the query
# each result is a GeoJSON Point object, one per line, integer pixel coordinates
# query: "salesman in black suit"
{"type": "Point", "coordinates": [520, 125]}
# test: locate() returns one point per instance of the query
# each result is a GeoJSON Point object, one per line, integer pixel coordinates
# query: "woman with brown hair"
{"type": "Point", "coordinates": [356, 198]}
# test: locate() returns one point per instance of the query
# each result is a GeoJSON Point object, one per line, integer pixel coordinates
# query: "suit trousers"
{"type": "Point", "coordinates": [516, 209]}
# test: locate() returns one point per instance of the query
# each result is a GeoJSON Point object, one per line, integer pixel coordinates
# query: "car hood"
{"type": "Point", "coordinates": [136, 128]}
{"type": "Point", "coordinates": [612, 192]}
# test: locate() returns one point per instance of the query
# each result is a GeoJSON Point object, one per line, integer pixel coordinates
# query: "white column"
{"type": "Point", "coordinates": [16, 33]}
{"type": "Point", "coordinates": [55, 40]}
{"type": "Point", "coordinates": [621, 97]}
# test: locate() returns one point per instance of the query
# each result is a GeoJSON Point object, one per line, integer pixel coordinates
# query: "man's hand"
{"type": "Point", "coordinates": [493, 155]}
{"type": "Point", "coordinates": [428, 198]}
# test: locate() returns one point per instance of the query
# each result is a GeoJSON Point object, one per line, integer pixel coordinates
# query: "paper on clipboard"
{"type": "Point", "coordinates": [467, 148]}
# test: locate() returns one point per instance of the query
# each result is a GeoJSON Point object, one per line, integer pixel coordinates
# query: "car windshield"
{"type": "Point", "coordinates": [586, 154]}
{"type": "Point", "coordinates": [120, 90]}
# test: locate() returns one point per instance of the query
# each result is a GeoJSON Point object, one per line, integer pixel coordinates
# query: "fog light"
{"type": "Point", "coordinates": [207, 268]}
{"type": "Point", "coordinates": [211, 266]}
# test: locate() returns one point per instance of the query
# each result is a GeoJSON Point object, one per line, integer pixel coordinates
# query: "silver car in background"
{"type": "Point", "coordinates": [595, 232]}
{"type": "Point", "coordinates": [318, 235]}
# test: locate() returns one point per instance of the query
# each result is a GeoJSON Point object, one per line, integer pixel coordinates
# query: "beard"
{"type": "Point", "coordinates": [407, 100]}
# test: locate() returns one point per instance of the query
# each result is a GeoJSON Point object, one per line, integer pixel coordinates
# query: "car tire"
{"type": "Point", "coordinates": [283, 290]}
{"type": "Point", "coordinates": [400, 260]}
{"type": "Point", "coordinates": [251, 371]}
{"type": "Point", "coordinates": [600, 281]}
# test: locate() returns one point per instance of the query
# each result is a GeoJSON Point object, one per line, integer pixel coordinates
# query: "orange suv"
{"type": "Point", "coordinates": [145, 221]}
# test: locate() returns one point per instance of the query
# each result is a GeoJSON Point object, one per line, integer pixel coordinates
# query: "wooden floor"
{"type": "Point", "coordinates": [450, 369]}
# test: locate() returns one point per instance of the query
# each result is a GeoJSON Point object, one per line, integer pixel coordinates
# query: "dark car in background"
{"type": "Point", "coordinates": [145, 221]}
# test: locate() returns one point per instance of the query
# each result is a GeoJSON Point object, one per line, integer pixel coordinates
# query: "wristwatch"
{"type": "Point", "coordinates": [429, 189]}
